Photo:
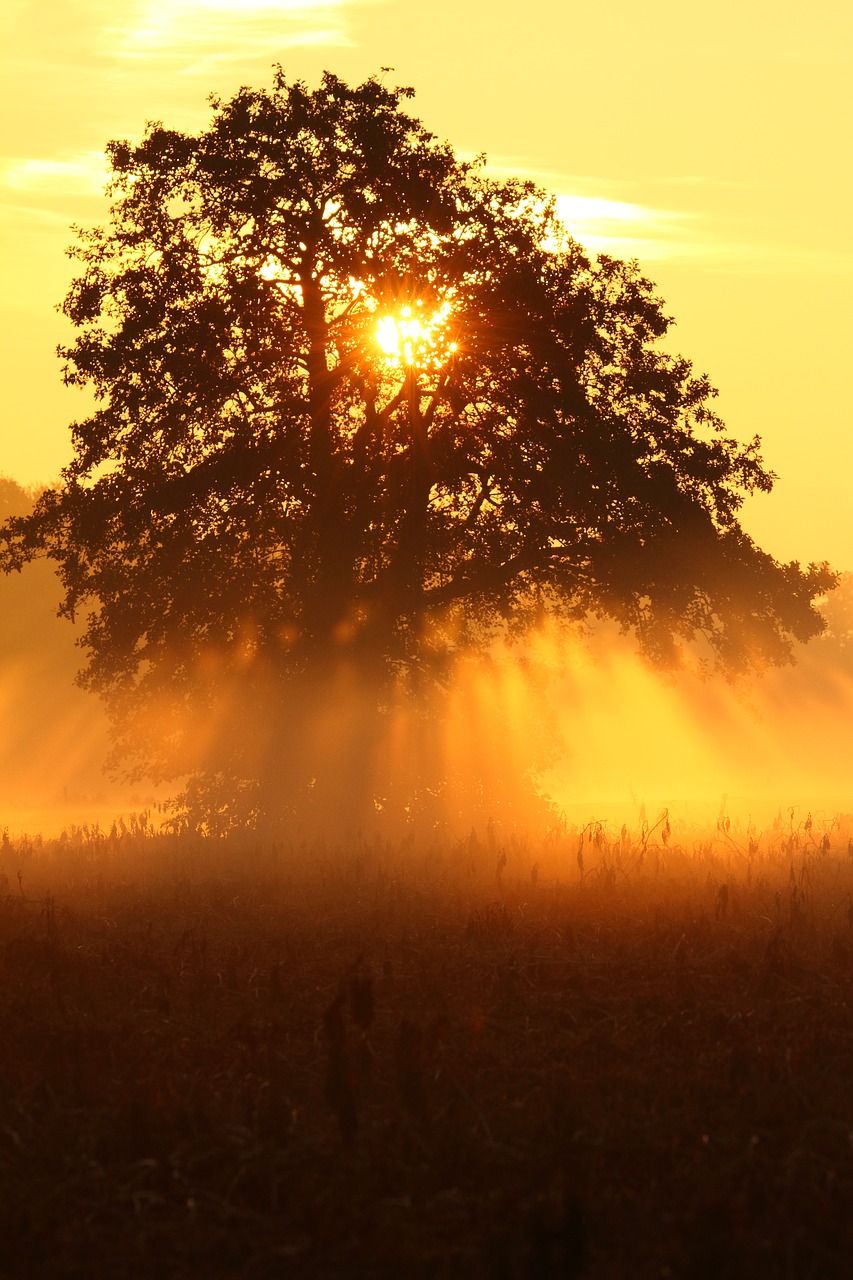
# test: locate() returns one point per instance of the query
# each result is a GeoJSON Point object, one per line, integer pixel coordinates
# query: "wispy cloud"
{"type": "Point", "coordinates": [624, 229]}
{"type": "Point", "coordinates": [686, 223]}
{"type": "Point", "coordinates": [698, 239]}
{"type": "Point", "coordinates": [200, 32]}
{"type": "Point", "coordinates": [83, 174]}
{"type": "Point", "coordinates": [602, 219]}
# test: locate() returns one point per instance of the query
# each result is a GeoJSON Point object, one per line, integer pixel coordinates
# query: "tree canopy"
{"type": "Point", "coordinates": [360, 405]}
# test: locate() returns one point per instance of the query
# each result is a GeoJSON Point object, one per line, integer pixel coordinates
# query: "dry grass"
{"type": "Point", "coordinates": [489, 1059]}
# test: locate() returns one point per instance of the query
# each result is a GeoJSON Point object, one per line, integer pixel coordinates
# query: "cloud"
{"type": "Point", "coordinates": [597, 214]}
{"type": "Point", "coordinates": [624, 229]}
{"type": "Point", "coordinates": [84, 173]}
{"type": "Point", "coordinates": [691, 226]}
{"type": "Point", "coordinates": [202, 32]}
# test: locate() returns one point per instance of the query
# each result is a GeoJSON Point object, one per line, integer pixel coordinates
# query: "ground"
{"type": "Point", "coordinates": [489, 1058]}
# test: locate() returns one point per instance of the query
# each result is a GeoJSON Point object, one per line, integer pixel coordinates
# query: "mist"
{"type": "Point", "coordinates": [698, 744]}
{"type": "Point", "coordinates": [557, 729]}
{"type": "Point", "coordinates": [54, 737]}
{"type": "Point", "coordinates": [603, 737]}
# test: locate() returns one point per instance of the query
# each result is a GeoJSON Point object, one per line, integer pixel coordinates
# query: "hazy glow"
{"type": "Point", "coordinates": [53, 737]}
{"type": "Point", "coordinates": [414, 337]}
{"type": "Point", "coordinates": [625, 736]}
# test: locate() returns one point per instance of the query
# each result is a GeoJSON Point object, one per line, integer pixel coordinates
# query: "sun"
{"type": "Point", "coordinates": [416, 338]}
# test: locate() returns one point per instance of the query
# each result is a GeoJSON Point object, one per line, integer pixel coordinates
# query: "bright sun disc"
{"type": "Point", "coordinates": [413, 338]}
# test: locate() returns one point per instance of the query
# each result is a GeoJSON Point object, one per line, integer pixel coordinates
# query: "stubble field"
{"type": "Point", "coordinates": [474, 1058]}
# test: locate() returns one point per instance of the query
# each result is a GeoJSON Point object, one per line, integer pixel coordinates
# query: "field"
{"type": "Point", "coordinates": [584, 1056]}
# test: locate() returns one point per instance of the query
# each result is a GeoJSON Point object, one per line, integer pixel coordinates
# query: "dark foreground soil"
{"type": "Point", "coordinates": [471, 1063]}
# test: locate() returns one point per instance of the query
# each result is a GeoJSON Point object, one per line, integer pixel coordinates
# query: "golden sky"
{"type": "Point", "coordinates": [713, 141]}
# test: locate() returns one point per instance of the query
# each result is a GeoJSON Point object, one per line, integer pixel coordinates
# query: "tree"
{"type": "Point", "coordinates": [360, 406]}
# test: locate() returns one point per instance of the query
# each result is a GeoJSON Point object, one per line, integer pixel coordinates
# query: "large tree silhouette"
{"type": "Point", "coordinates": [359, 406]}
